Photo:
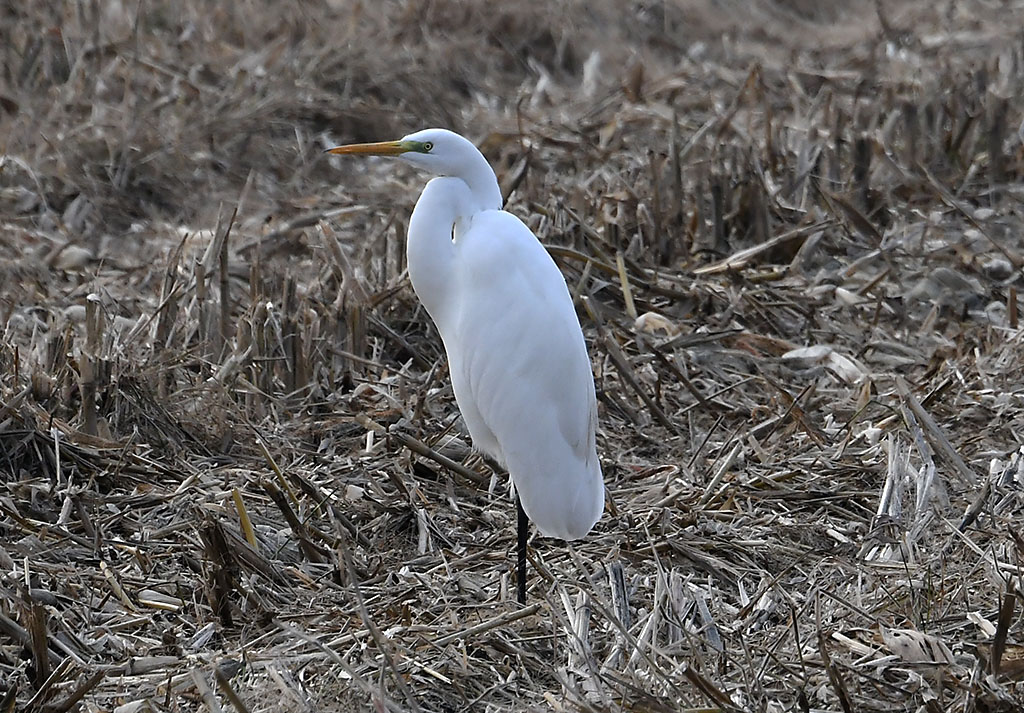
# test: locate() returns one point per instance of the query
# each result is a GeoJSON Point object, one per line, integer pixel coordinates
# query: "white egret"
{"type": "Point", "coordinates": [516, 354]}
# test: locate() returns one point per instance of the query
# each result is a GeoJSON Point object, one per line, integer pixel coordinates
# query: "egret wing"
{"type": "Point", "coordinates": [521, 371]}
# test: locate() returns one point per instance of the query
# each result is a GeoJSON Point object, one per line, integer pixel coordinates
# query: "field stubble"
{"type": "Point", "coordinates": [233, 472]}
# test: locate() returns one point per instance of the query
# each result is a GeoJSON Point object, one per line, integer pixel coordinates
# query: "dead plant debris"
{"type": "Point", "coordinates": [233, 472]}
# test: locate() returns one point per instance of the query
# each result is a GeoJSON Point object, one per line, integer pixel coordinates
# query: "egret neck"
{"type": "Point", "coordinates": [480, 179]}
{"type": "Point", "coordinates": [444, 210]}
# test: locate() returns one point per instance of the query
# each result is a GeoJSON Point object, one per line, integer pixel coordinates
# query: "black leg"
{"type": "Point", "coordinates": [522, 529]}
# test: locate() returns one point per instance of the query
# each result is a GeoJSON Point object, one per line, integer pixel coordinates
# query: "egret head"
{"type": "Point", "coordinates": [443, 153]}
{"type": "Point", "coordinates": [439, 151]}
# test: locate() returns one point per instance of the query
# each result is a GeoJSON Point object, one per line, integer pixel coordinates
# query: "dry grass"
{"type": "Point", "coordinates": [233, 471]}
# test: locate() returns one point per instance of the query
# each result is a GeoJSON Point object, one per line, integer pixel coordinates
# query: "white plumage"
{"type": "Point", "coordinates": [518, 361]}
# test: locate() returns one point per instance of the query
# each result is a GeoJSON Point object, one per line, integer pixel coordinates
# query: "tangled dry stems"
{"type": "Point", "coordinates": [234, 475]}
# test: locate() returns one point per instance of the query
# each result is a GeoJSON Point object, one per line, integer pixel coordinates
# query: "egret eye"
{"type": "Point", "coordinates": [428, 146]}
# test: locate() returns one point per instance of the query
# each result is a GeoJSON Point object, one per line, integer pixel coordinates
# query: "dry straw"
{"type": "Point", "coordinates": [233, 473]}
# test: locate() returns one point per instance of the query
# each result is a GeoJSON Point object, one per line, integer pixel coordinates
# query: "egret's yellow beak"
{"type": "Point", "coordinates": [380, 148]}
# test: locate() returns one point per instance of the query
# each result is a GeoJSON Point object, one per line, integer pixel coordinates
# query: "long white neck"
{"type": "Point", "coordinates": [482, 182]}
{"type": "Point", "coordinates": [430, 252]}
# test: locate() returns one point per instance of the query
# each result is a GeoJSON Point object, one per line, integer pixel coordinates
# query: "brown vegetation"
{"type": "Point", "coordinates": [233, 473]}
